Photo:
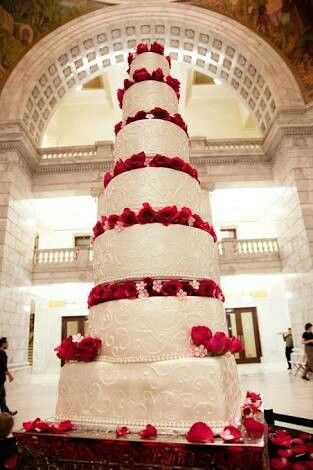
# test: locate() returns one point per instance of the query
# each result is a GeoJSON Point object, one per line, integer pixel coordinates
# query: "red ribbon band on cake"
{"type": "Point", "coordinates": [149, 287]}
{"type": "Point", "coordinates": [169, 215]}
{"type": "Point", "coordinates": [155, 113]}
{"type": "Point", "coordinates": [141, 160]}
{"type": "Point", "coordinates": [142, 75]}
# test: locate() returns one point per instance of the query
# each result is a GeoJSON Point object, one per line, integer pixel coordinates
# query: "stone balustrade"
{"type": "Point", "coordinates": [235, 256]}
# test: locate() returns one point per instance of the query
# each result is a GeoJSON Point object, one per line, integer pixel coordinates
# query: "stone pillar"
{"type": "Point", "coordinates": [293, 171]}
{"type": "Point", "coordinates": [17, 226]}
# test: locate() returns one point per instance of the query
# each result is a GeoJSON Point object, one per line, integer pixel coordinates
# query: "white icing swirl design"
{"type": "Point", "coordinates": [149, 94]}
{"type": "Point", "coordinates": [154, 328]}
{"type": "Point", "coordinates": [151, 136]}
{"type": "Point", "coordinates": [160, 187]}
{"type": "Point", "coordinates": [154, 250]}
{"type": "Point", "coordinates": [170, 394]}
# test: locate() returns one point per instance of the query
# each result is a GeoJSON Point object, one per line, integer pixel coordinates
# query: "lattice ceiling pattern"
{"type": "Point", "coordinates": [207, 52]}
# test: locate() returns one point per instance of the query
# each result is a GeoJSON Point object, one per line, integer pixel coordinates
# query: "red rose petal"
{"type": "Point", "coordinates": [200, 432]}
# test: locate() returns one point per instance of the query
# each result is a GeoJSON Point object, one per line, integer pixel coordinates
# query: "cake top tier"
{"type": "Point", "coordinates": [149, 57]}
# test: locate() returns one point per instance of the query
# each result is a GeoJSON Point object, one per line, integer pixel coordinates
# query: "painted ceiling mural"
{"type": "Point", "coordinates": [285, 24]}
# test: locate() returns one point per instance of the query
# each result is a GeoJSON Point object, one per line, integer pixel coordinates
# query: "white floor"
{"type": "Point", "coordinates": [282, 391]}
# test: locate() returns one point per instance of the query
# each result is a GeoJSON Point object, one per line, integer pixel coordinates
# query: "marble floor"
{"type": "Point", "coordinates": [282, 391]}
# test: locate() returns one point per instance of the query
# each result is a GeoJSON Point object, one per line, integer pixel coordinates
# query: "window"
{"type": "Point", "coordinates": [228, 233]}
{"type": "Point", "coordinates": [82, 241]}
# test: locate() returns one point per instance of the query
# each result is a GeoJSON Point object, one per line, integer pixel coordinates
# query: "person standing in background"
{"type": "Point", "coordinates": [287, 337]}
{"type": "Point", "coordinates": [307, 340]}
{"type": "Point", "coordinates": [4, 373]}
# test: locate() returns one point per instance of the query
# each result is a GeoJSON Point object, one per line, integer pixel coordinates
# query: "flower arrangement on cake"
{"type": "Point", "coordinates": [79, 348]}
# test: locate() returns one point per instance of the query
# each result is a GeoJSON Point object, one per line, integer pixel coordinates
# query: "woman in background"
{"type": "Point", "coordinates": [307, 340]}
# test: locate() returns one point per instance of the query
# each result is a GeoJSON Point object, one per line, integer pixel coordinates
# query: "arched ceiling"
{"type": "Point", "coordinates": [89, 45]}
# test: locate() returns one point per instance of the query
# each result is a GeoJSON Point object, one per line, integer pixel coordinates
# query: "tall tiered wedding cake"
{"type": "Point", "coordinates": [155, 272]}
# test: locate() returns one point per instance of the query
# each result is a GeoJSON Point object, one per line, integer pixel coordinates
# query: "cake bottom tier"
{"type": "Point", "coordinates": [171, 395]}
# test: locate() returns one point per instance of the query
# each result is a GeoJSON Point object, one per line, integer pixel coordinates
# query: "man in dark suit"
{"type": "Point", "coordinates": [4, 373]}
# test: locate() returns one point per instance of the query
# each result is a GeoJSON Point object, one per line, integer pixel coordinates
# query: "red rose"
{"type": "Point", "coordinates": [218, 344]}
{"type": "Point", "coordinates": [235, 345]}
{"type": "Point", "coordinates": [158, 75]}
{"type": "Point", "coordinates": [173, 83]}
{"type": "Point", "coordinates": [231, 434]}
{"type": "Point", "coordinates": [120, 96]}
{"type": "Point", "coordinates": [141, 48]}
{"type": "Point", "coordinates": [66, 351]}
{"type": "Point", "coordinates": [117, 127]}
{"type": "Point", "coordinates": [198, 222]}
{"type": "Point", "coordinates": [171, 287]}
{"type": "Point", "coordinates": [184, 215]}
{"type": "Point", "coordinates": [200, 334]}
{"type": "Point", "coordinates": [121, 431]}
{"type": "Point", "coordinates": [104, 292]}
{"type": "Point", "coordinates": [219, 294]}
{"type": "Point", "coordinates": [191, 171]}
{"type": "Point", "coordinates": [149, 431]}
{"type": "Point", "coordinates": [112, 220]}
{"type": "Point", "coordinates": [125, 290]}
{"type": "Point", "coordinates": [253, 396]}
{"type": "Point", "coordinates": [119, 168]}
{"type": "Point", "coordinates": [160, 161]}
{"type": "Point", "coordinates": [169, 60]}
{"type": "Point", "coordinates": [140, 115]}
{"type": "Point", "coordinates": [135, 161]}
{"type": "Point", "coordinates": [207, 288]}
{"type": "Point", "coordinates": [177, 163]}
{"type": "Point", "coordinates": [167, 215]}
{"type": "Point", "coordinates": [157, 48]}
{"type": "Point", "coordinates": [178, 120]}
{"type": "Point", "coordinates": [200, 432]}
{"type": "Point", "coordinates": [88, 348]}
{"type": "Point", "coordinates": [160, 113]}
{"type": "Point", "coordinates": [107, 178]}
{"type": "Point", "coordinates": [148, 283]}
{"type": "Point", "coordinates": [146, 215]}
{"type": "Point", "coordinates": [128, 83]}
{"type": "Point", "coordinates": [140, 75]}
{"type": "Point", "coordinates": [128, 217]}
{"type": "Point", "coordinates": [130, 58]}
{"type": "Point", "coordinates": [98, 229]}
{"type": "Point", "coordinates": [254, 428]}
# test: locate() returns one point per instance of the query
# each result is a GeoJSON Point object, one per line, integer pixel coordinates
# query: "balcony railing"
{"type": "Point", "coordinates": [249, 248]}
{"type": "Point", "coordinates": [235, 256]}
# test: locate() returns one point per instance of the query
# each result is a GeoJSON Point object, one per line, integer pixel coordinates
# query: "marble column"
{"type": "Point", "coordinates": [17, 227]}
{"type": "Point", "coordinates": [293, 171]}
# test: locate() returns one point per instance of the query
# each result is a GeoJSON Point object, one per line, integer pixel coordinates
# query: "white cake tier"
{"type": "Point", "coordinates": [160, 187]}
{"type": "Point", "coordinates": [153, 250]}
{"type": "Point", "coordinates": [151, 61]}
{"type": "Point", "coordinates": [144, 96]}
{"type": "Point", "coordinates": [171, 395]}
{"type": "Point", "coordinates": [151, 136]}
{"type": "Point", "coordinates": [156, 328]}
